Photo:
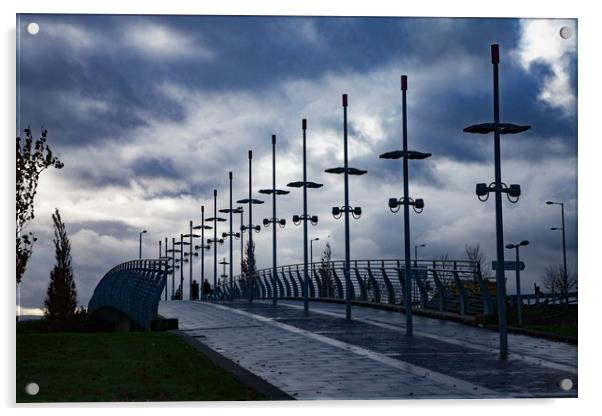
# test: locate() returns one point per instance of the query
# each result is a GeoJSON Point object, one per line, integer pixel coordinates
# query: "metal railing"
{"type": "Point", "coordinates": [545, 298]}
{"type": "Point", "coordinates": [132, 288]}
{"type": "Point", "coordinates": [443, 285]}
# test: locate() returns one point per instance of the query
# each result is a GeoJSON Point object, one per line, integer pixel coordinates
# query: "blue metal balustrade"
{"type": "Point", "coordinates": [444, 285]}
{"type": "Point", "coordinates": [131, 289]}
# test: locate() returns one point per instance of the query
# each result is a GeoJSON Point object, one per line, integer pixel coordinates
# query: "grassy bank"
{"type": "Point", "coordinates": [549, 319]}
{"type": "Point", "coordinates": [135, 366]}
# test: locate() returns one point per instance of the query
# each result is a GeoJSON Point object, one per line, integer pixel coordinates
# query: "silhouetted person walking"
{"type": "Point", "coordinates": [207, 288]}
{"type": "Point", "coordinates": [195, 290]}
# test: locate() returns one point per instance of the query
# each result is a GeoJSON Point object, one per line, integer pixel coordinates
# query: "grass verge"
{"type": "Point", "coordinates": [104, 367]}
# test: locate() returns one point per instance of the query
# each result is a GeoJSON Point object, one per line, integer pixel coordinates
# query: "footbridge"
{"type": "Point", "coordinates": [130, 292]}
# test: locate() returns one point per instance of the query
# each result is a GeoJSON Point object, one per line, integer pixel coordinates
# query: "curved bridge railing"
{"type": "Point", "coordinates": [444, 285]}
{"type": "Point", "coordinates": [132, 289]}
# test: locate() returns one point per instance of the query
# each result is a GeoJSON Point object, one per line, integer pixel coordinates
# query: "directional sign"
{"type": "Point", "coordinates": [509, 265]}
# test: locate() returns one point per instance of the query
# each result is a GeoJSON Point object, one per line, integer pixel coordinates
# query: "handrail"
{"type": "Point", "coordinates": [445, 285]}
{"type": "Point", "coordinates": [132, 288]}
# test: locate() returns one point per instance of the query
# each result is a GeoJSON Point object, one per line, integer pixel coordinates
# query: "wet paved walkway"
{"type": "Point", "coordinates": [322, 356]}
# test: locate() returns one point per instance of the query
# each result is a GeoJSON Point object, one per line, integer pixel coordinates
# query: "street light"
{"type": "Point", "coordinates": [565, 276]}
{"type": "Point", "coordinates": [231, 235]}
{"type": "Point", "coordinates": [311, 252]}
{"type": "Point", "coordinates": [224, 275]}
{"type": "Point", "coordinates": [274, 220]}
{"type": "Point", "coordinates": [395, 204]}
{"type": "Point", "coordinates": [346, 209]}
{"type": "Point", "coordinates": [313, 219]}
{"type": "Point", "coordinates": [519, 306]}
{"type": "Point", "coordinates": [140, 244]}
{"type": "Point", "coordinates": [173, 252]}
{"type": "Point", "coordinates": [167, 263]}
{"type": "Point", "coordinates": [202, 247]}
{"type": "Point", "coordinates": [182, 243]}
{"type": "Point", "coordinates": [250, 227]}
{"type": "Point", "coordinates": [215, 240]}
{"type": "Point", "coordinates": [416, 254]}
{"type": "Point", "coordinates": [241, 211]}
{"type": "Point", "coordinates": [190, 235]}
{"type": "Point", "coordinates": [512, 192]}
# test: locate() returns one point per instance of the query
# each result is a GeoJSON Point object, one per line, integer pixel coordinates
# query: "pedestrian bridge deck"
{"type": "Point", "coordinates": [320, 355]}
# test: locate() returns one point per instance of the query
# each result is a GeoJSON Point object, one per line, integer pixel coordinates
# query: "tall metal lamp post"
{"type": "Point", "coordinates": [160, 257]}
{"type": "Point", "coordinates": [311, 251]}
{"type": "Point", "coordinates": [190, 235]}
{"type": "Point", "coordinates": [182, 243]}
{"type": "Point", "coordinates": [274, 220]}
{"type": "Point", "coordinates": [173, 252]}
{"type": "Point", "coordinates": [313, 219]}
{"type": "Point", "coordinates": [215, 241]}
{"type": "Point", "coordinates": [498, 187]}
{"type": "Point", "coordinates": [223, 276]}
{"type": "Point", "coordinates": [519, 302]}
{"type": "Point", "coordinates": [140, 243]}
{"type": "Point", "coordinates": [565, 287]}
{"type": "Point", "coordinates": [395, 204]}
{"type": "Point", "coordinates": [241, 211]}
{"type": "Point", "coordinates": [346, 209]}
{"type": "Point", "coordinates": [251, 201]}
{"type": "Point", "coordinates": [202, 247]}
{"type": "Point", "coordinates": [416, 253]}
{"type": "Point", "coordinates": [231, 235]}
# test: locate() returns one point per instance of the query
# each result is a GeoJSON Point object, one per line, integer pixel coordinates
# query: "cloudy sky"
{"type": "Point", "coordinates": [149, 113]}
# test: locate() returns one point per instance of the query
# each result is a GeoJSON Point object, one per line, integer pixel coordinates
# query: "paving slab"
{"type": "Point", "coordinates": [320, 355]}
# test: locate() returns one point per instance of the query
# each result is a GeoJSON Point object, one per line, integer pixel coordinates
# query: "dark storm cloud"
{"type": "Point", "coordinates": [155, 167]}
{"type": "Point", "coordinates": [115, 228]}
{"type": "Point", "coordinates": [152, 112]}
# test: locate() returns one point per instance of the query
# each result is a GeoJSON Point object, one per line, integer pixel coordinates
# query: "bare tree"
{"type": "Point", "coordinates": [474, 254]}
{"type": "Point", "coordinates": [33, 157]}
{"type": "Point", "coordinates": [553, 279]}
{"type": "Point", "coordinates": [445, 265]}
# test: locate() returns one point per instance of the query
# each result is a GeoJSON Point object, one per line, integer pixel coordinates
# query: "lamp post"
{"type": "Point", "coordinates": [223, 275]}
{"type": "Point", "coordinates": [166, 265]}
{"type": "Point", "coordinates": [140, 244]}
{"type": "Point", "coordinates": [182, 243]}
{"type": "Point", "coordinates": [311, 251]}
{"type": "Point", "coordinates": [519, 303]}
{"type": "Point", "coordinates": [498, 187]}
{"type": "Point", "coordinates": [215, 240]}
{"type": "Point", "coordinates": [395, 204]}
{"type": "Point", "coordinates": [190, 235]}
{"type": "Point", "coordinates": [416, 253]}
{"type": "Point", "coordinates": [313, 219]}
{"type": "Point", "coordinates": [565, 276]}
{"type": "Point", "coordinates": [274, 220]}
{"type": "Point", "coordinates": [346, 209]}
{"type": "Point", "coordinates": [250, 227]}
{"type": "Point", "coordinates": [230, 234]}
{"type": "Point", "coordinates": [202, 247]}
{"type": "Point", "coordinates": [242, 239]}
{"type": "Point", "coordinates": [173, 252]}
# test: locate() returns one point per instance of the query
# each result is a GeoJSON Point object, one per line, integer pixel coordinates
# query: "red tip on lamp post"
{"type": "Point", "coordinates": [344, 100]}
{"type": "Point", "coordinates": [404, 82]}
